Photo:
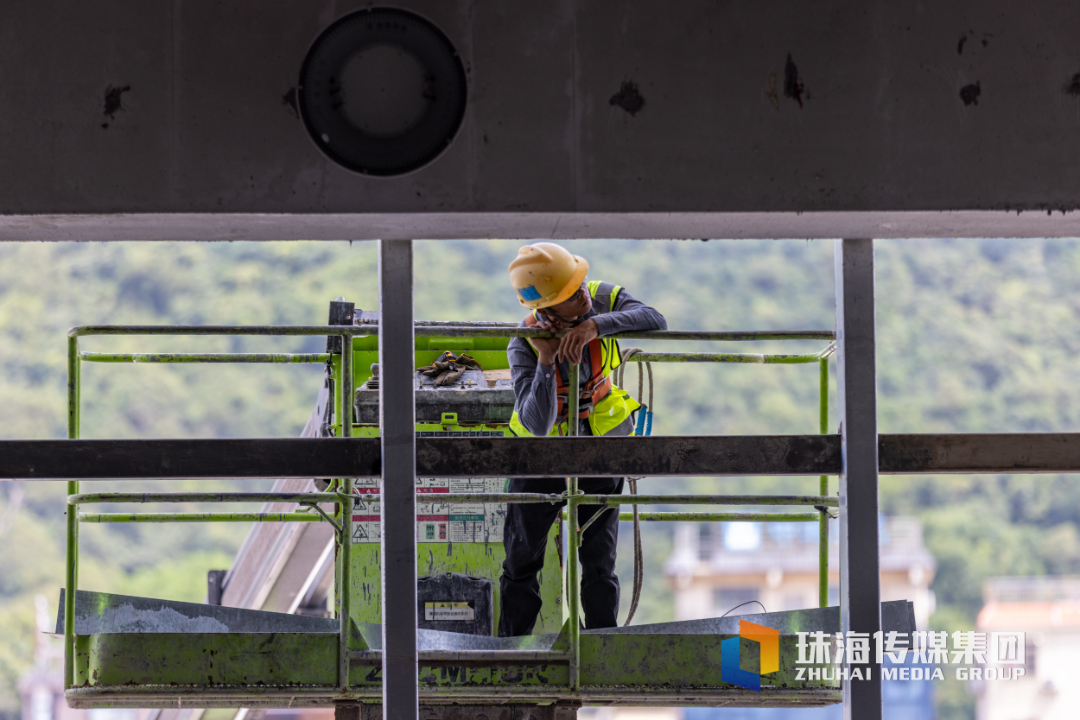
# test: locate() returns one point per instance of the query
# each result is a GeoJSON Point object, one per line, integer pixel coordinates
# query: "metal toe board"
{"type": "Point", "coordinates": [101, 613]}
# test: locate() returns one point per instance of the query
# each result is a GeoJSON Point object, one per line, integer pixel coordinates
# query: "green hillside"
{"type": "Point", "coordinates": [977, 336]}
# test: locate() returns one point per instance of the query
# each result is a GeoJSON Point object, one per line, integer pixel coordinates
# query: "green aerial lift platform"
{"type": "Point", "coordinates": [142, 652]}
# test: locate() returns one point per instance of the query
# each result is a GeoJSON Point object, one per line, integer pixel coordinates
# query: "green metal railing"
{"type": "Point", "coordinates": [574, 498]}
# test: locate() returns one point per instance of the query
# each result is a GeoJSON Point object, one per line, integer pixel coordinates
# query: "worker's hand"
{"type": "Point", "coordinates": [574, 341]}
{"type": "Point", "coordinates": [546, 348]}
{"type": "Point", "coordinates": [543, 322]}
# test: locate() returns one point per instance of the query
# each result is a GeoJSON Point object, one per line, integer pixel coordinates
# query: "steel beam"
{"type": "Point", "coordinates": [860, 586]}
{"type": "Point", "coordinates": [996, 453]}
{"type": "Point", "coordinates": [708, 456]}
{"type": "Point", "coordinates": [450, 457]}
{"type": "Point", "coordinates": [398, 435]}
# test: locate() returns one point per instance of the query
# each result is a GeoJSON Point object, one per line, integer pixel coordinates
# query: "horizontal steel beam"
{"type": "Point", "coordinates": [526, 457]}
{"type": "Point", "coordinates": [435, 457]}
{"type": "Point", "coordinates": [998, 453]}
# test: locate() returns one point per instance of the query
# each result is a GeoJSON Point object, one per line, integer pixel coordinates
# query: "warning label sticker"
{"type": "Point", "coordinates": [448, 611]}
{"type": "Point", "coordinates": [436, 521]}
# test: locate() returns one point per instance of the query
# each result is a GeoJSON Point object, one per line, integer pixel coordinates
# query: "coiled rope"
{"type": "Point", "coordinates": [645, 426]}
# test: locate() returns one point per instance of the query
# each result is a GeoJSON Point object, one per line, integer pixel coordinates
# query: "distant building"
{"type": "Point", "coordinates": [1047, 611]}
{"type": "Point", "coordinates": [41, 687]}
{"type": "Point", "coordinates": [716, 567]}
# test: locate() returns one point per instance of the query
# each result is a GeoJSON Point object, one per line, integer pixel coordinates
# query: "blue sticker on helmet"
{"type": "Point", "coordinates": [529, 293]}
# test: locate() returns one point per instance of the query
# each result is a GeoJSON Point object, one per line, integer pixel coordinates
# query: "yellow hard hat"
{"type": "Point", "coordinates": [546, 274]}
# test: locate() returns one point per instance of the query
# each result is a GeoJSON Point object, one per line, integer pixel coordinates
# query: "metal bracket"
{"type": "Point", "coordinates": [316, 508]}
{"type": "Point", "coordinates": [593, 519]}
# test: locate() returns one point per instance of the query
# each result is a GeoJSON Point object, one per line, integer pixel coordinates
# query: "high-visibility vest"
{"type": "Point", "coordinates": [604, 404]}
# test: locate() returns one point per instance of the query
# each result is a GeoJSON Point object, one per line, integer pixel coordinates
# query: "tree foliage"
{"type": "Point", "coordinates": [973, 336]}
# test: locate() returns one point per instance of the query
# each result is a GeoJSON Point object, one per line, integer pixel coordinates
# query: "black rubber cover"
{"type": "Point", "coordinates": [477, 592]}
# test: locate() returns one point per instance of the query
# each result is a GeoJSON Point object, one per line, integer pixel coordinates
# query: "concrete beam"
{"type": "Point", "coordinates": [871, 118]}
{"type": "Point", "coordinates": [223, 227]}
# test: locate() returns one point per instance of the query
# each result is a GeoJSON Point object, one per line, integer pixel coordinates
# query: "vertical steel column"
{"type": "Point", "coordinates": [72, 520]}
{"type": "Point", "coordinates": [823, 486]}
{"type": "Point", "coordinates": [397, 427]}
{"type": "Point", "coordinates": [573, 545]}
{"type": "Point", "coordinates": [860, 586]}
{"type": "Point", "coordinates": [345, 554]}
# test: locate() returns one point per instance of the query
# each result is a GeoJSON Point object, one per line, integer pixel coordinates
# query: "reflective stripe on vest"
{"type": "Point", "coordinates": [607, 409]}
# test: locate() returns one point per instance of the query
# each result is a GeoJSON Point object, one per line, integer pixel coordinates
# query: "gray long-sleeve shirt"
{"type": "Point", "coordinates": [535, 384]}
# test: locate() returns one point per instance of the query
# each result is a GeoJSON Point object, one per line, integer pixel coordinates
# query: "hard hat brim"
{"type": "Point", "coordinates": [568, 290]}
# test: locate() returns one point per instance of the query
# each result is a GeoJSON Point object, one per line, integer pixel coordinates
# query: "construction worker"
{"type": "Point", "coordinates": [551, 283]}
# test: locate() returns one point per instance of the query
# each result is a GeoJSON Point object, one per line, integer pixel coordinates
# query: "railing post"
{"type": "Point", "coordinates": [573, 580]}
{"type": "Point", "coordinates": [823, 489]}
{"type": "Point", "coordinates": [860, 586]}
{"type": "Point", "coordinates": [397, 428]}
{"type": "Point", "coordinates": [345, 584]}
{"type": "Point", "coordinates": [72, 549]}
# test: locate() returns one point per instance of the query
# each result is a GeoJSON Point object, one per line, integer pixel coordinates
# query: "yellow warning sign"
{"type": "Point", "coordinates": [448, 611]}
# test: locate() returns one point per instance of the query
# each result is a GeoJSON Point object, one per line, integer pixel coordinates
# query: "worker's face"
{"type": "Point", "coordinates": [566, 313]}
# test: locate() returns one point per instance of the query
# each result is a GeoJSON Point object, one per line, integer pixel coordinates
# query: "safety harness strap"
{"type": "Point", "coordinates": [593, 391]}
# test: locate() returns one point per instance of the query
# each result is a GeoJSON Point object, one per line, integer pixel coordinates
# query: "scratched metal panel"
{"type": "Point", "coordinates": [683, 661]}
{"type": "Point", "coordinates": [99, 613]}
{"type": "Point", "coordinates": [896, 615]}
{"type": "Point", "coordinates": [206, 659]}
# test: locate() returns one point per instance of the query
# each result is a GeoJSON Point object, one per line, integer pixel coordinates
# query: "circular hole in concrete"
{"type": "Point", "coordinates": [384, 90]}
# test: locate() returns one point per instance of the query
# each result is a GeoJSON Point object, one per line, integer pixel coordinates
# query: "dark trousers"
{"type": "Point", "coordinates": [525, 539]}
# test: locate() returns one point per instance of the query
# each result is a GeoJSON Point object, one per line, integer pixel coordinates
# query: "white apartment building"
{"type": "Point", "coordinates": [1047, 610]}
{"type": "Point", "coordinates": [717, 566]}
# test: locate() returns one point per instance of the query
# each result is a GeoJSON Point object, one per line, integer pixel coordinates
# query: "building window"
{"type": "Point", "coordinates": [112, 714]}
{"type": "Point", "coordinates": [783, 533]}
{"type": "Point", "coordinates": [41, 704]}
{"type": "Point", "coordinates": [705, 541]}
{"type": "Point", "coordinates": [795, 601]}
{"type": "Point", "coordinates": [727, 599]}
{"type": "Point", "coordinates": [742, 536]}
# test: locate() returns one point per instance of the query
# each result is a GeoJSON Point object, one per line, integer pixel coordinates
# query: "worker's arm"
{"type": "Point", "coordinates": [629, 315]}
{"type": "Point", "coordinates": [534, 388]}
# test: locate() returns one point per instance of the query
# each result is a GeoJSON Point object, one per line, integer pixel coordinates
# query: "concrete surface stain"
{"type": "Point", "coordinates": [970, 93]}
{"type": "Point", "coordinates": [289, 101]}
{"type": "Point", "coordinates": [771, 92]}
{"type": "Point", "coordinates": [1073, 86]}
{"type": "Point", "coordinates": [628, 98]}
{"type": "Point", "coordinates": [113, 101]}
{"type": "Point", "coordinates": [964, 38]}
{"type": "Point", "coordinates": [793, 85]}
